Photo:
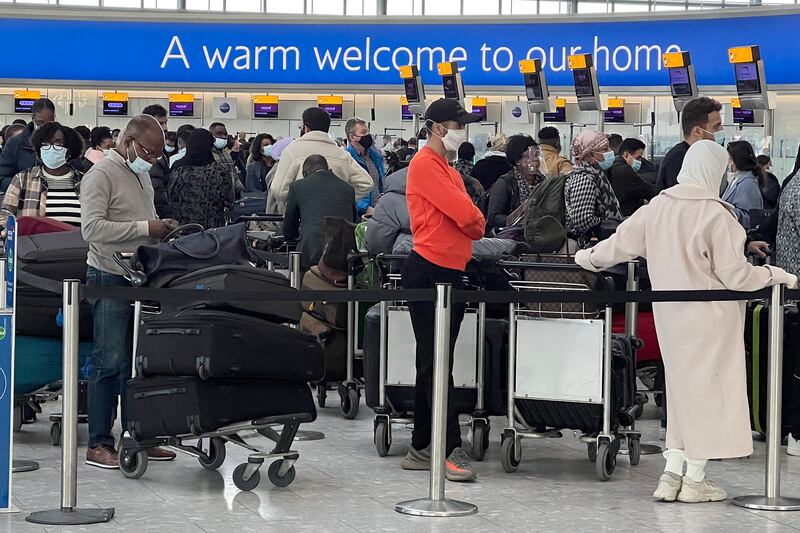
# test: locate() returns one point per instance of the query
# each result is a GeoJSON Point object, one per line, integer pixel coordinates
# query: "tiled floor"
{"type": "Point", "coordinates": [342, 485]}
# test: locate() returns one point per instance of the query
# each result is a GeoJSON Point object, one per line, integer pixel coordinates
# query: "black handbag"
{"type": "Point", "coordinates": [161, 263]}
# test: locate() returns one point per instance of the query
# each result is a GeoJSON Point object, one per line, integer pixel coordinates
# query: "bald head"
{"type": "Point", "coordinates": [314, 163]}
{"type": "Point", "coordinates": [142, 137]}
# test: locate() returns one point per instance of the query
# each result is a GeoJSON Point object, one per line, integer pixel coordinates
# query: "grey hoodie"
{"type": "Point", "coordinates": [390, 219]}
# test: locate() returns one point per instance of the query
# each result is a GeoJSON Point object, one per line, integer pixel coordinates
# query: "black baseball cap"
{"type": "Point", "coordinates": [445, 109]}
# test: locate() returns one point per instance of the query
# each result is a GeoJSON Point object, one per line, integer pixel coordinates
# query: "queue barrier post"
{"type": "Point", "coordinates": [68, 513]}
{"type": "Point", "coordinates": [772, 500]}
{"type": "Point", "coordinates": [436, 504]}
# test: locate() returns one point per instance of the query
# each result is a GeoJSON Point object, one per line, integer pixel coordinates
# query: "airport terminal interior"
{"type": "Point", "coordinates": [444, 119]}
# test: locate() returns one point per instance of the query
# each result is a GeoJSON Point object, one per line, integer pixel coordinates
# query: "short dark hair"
{"type": "Point", "coordinates": [116, 131]}
{"type": "Point", "coordinates": [317, 119]}
{"type": "Point", "coordinates": [614, 142]}
{"type": "Point", "coordinates": [517, 146]}
{"type": "Point", "coordinates": [185, 128]}
{"type": "Point", "coordinates": [314, 163]}
{"type": "Point", "coordinates": [98, 134]}
{"type": "Point", "coordinates": [155, 110]}
{"type": "Point", "coordinates": [466, 151]}
{"type": "Point", "coordinates": [696, 111]}
{"type": "Point", "coordinates": [216, 125]}
{"type": "Point", "coordinates": [72, 141]}
{"type": "Point", "coordinates": [83, 131]}
{"type": "Point", "coordinates": [630, 145]}
{"type": "Point", "coordinates": [13, 129]}
{"type": "Point", "coordinates": [19, 122]}
{"type": "Point", "coordinates": [763, 160]}
{"type": "Point", "coordinates": [41, 104]}
{"type": "Point", "coordinates": [549, 135]}
{"type": "Point", "coordinates": [171, 136]}
{"type": "Point", "coordinates": [184, 134]}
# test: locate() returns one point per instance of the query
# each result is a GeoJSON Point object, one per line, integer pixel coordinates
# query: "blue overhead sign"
{"type": "Point", "coordinates": [627, 53]}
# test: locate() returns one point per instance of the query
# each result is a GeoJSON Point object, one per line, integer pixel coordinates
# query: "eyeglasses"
{"type": "Point", "coordinates": [48, 146]}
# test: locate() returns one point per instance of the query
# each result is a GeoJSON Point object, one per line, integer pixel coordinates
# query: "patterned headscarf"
{"type": "Point", "coordinates": [587, 142]}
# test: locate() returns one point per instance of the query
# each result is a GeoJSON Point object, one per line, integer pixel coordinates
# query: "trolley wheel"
{"type": "Point", "coordinates": [591, 449]}
{"type": "Point", "coordinates": [382, 443]}
{"type": "Point", "coordinates": [202, 372]}
{"type": "Point", "coordinates": [28, 414]}
{"type": "Point", "coordinates": [511, 454]}
{"type": "Point", "coordinates": [216, 454]}
{"type": "Point", "coordinates": [17, 418]}
{"type": "Point", "coordinates": [55, 433]}
{"type": "Point", "coordinates": [278, 480]}
{"type": "Point", "coordinates": [133, 465]}
{"type": "Point", "coordinates": [350, 400]}
{"type": "Point", "coordinates": [634, 451]}
{"type": "Point", "coordinates": [239, 481]}
{"type": "Point", "coordinates": [322, 394]}
{"type": "Point", "coordinates": [606, 462]}
{"type": "Point", "coordinates": [480, 440]}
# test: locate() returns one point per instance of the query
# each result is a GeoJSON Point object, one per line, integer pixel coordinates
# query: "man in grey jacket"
{"type": "Point", "coordinates": [117, 215]}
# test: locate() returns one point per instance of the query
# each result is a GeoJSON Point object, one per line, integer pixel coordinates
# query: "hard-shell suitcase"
{"type": "Point", "coordinates": [218, 344]}
{"type": "Point", "coordinates": [247, 206]}
{"type": "Point", "coordinates": [182, 405]}
{"type": "Point", "coordinates": [239, 277]}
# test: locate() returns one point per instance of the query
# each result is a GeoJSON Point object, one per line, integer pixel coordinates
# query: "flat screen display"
{"type": "Point", "coordinates": [743, 116]}
{"type": "Point", "coordinates": [747, 81]}
{"type": "Point", "coordinates": [559, 115]}
{"type": "Point", "coordinates": [615, 114]}
{"type": "Point", "coordinates": [583, 82]}
{"type": "Point", "coordinates": [679, 81]}
{"type": "Point", "coordinates": [479, 110]}
{"type": "Point", "coordinates": [450, 87]}
{"type": "Point", "coordinates": [334, 110]}
{"type": "Point", "coordinates": [412, 94]}
{"type": "Point", "coordinates": [265, 110]}
{"type": "Point", "coordinates": [23, 105]}
{"type": "Point", "coordinates": [533, 87]}
{"type": "Point", "coordinates": [406, 113]}
{"type": "Point", "coordinates": [181, 109]}
{"type": "Point", "coordinates": [115, 108]}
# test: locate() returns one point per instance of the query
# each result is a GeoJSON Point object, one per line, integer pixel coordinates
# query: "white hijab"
{"type": "Point", "coordinates": [704, 165]}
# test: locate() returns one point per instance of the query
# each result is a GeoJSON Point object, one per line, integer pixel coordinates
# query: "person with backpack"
{"type": "Point", "coordinates": [588, 196]}
{"type": "Point", "coordinates": [514, 187]}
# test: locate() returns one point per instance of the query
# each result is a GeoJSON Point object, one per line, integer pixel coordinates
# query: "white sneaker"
{"type": "Point", "coordinates": [792, 445]}
{"type": "Point", "coordinates": [704, 491]}
{"type": "Point", "coordinates": [669, 485]}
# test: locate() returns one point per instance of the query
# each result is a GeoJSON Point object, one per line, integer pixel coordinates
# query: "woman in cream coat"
{"type": "Point", "coordinates": [693, 241]}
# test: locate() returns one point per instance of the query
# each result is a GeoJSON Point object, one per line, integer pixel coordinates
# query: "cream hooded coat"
{"type": "Point", "coordinates": [692, 241]}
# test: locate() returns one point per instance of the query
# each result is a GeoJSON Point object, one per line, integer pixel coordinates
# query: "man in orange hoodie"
{"type": "Point", "coordinates": [444, 222]}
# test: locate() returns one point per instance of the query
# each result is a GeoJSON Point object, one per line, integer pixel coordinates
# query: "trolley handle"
{"type": "Point", "coordinates": [264, 217]}
{"type": "Point", "coordinates": [530, 265]}
{"type": "Point", "coordinates": [136, 277]}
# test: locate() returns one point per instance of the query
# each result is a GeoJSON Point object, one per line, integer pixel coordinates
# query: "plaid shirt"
{"type": "Point", "coordinates": [589, 200]}
{"type": "Point", "coordinates": [27, 195]}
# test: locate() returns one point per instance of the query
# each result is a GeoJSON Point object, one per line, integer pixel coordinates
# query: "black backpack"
{"type": "Point", "coordinates": [545, 221]}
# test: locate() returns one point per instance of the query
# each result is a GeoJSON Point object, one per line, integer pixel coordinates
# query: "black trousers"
{"type": "Point", "coordinates": [419, 273]}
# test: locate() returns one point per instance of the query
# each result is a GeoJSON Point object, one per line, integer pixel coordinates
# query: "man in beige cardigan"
{"type": "Point", "coordinates": [314, 140]}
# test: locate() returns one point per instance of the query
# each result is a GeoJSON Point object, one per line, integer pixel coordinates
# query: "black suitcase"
{"type": "Point", "coordinates": [588, 418]}
{"type": "Point", "coordinates": [181, 405]}
{"type": "Point", "coordinates": [247, 206]}
{"type": "Point", "coordinates": [239, 277]}
{"type": "Point", "coordinates": [218, 344]}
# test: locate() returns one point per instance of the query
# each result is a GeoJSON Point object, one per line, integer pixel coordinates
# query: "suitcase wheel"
{"type": "Point", "coordinates": [350, 399]}
{"type": "Point", "coordinates": [322, 394]}
{"type": "Point", "coordinates": [480, 440]}
{"type": "Point", "coordinates": [382, 437]}
{"type": "Point", "coordinates": [215, 455]}
{"type": "Point", "coordinates": [133, 465]}
{"type": "Point", "coordinates": [245, 484]}
{"type": "Point", "coordinates": [511, 454]}
{"type": "Point", "coordinates": [606, 461]}
{"type": "Point", "coordinates": [280, 480]}
{"type": "Point", "coordinates": [55, 433]}
{"type": "Point", "coordinates": [634, 450]}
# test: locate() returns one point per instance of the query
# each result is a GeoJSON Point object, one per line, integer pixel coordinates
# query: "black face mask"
{"type": "Point", "coordinates": [366, 142]}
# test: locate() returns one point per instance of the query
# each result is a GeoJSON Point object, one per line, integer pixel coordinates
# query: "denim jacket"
{"type": "Point", "coordinates": [377, 159]}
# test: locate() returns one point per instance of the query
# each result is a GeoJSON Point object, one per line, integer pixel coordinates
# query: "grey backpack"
{"type": "Point", "coordinates": [546, 217]}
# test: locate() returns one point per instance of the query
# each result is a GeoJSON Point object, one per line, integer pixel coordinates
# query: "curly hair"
{"type": "Point", "coordinates": [72, 141]}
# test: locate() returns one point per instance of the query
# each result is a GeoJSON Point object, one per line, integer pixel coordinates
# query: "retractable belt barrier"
{"type": "Point", "coordinates": [443, 296]}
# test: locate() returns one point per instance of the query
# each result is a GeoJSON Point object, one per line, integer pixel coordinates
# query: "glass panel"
{"type": "Point", "coordinates": [167, 4]}
{"type": "Point", "coordinates": [327, 7]}
{"type": "Point", "coordinates": [122, 3]}
{"type": "Point", "coordinates": [40, 2]}
{"type": "Point", "coordinates": [443, 7]}
{"type": "Point", "coordinates": [777, 2]}
{"type": "Point", "coordinates": [197, 5]}
{"type": "Point", "coordinates": [481, 7]}
{"type": "Point", "coordinates": [400, 7]}
{"type": "Point", "coordinates": [505, 7]}
{"type": "Point", "coordinates": [548, 7]}
{"type": "Point", "coordinates": [592, 7]}
{"type": "Point", "coordinates": [80, 2]}
{"type": "Point", "coordinates": [216, 5]}
{"type": "Point", "coordinates": [149, 4]}
{"type": "Point", "coordinates": [676, 6]}
{"type": "Point", "coordinates": [631, 8]}
{"type": "Point", "coordinates": [355, 7]}
{"type": "Point", "coordinates": [523, 7]}
{"type": "Point", "coordinates": [285, 6]}
{"type": "Point", "coordinates": [251, 6]}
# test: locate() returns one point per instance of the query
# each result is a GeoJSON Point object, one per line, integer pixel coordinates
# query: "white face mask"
{"type": "Point", "coordinates": [452, 139]}
{"type": "Point", "coordinates": [106, 152]}
{"type": "Point", "coordinates": [219, 144]}
{"type": "Point", "coordinates": [169, 149]}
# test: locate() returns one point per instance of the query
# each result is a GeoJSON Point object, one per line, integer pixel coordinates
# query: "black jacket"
{"type": "Point", "coordinates": [631, 190]}
{"type": "Point", "coordinates": [489, 169]}
{"type": "Point", "coordinates": [671, 166]}
{"type": "Point", "coordinates": [159, 177]}
{"type": "Point", "coordinates": [503, 199]}
{"type": "Point", "coordinates": [310, 200]}
{"type": "Point", "coordinates": [17, 155]}
{"type": "Point", "coordinates": [771, 192]}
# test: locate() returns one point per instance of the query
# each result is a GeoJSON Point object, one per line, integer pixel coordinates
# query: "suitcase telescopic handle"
{"type": "Point", "coordinates": [172, 331]}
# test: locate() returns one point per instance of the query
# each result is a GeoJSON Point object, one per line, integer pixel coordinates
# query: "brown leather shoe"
{"type": "Point", "coordinates": [102, 456]}
{"type": "Point", "coordinates": [160, 454]}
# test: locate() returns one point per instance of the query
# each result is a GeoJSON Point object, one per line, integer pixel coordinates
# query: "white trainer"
{"type": "Point", "coordinates": [669, 485]}
{"type": "Point", "coordinates": [792, 445]}
{"type": "Point", "coordinates": [704, 491]}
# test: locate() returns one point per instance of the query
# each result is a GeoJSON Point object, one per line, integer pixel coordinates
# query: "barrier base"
{"type": "Point", "coordinates": [71, 517]}
{"type": "Point", "coordinates": [646, 448]}
{"type": "Point", "coordinates": [305, 434]}
{"type": "Point", "coordinates": [20, 465]}
{"type": "Point", "coordinates": [762, 503]}
{"type": "Point", "coordinates": [441, 508]}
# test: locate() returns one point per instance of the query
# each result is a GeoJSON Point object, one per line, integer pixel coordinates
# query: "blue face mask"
{"type": "Point", "coordinates": [267, 150]}
{"type": "Point", "coordinates": [719, 136]}
{"type": "Point", "coordinates": [54, 156]}
{"type": "Point", "coordinates": [636, 165]}
{"type": "Point", "coordinates": [138, 165]}
{"type": "Point", "coordinates": [608, 160]}
{"type": "Point", "coordinates": [219, 144]}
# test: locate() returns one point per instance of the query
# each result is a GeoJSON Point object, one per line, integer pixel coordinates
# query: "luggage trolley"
{"type": "Point", "coordinates": [566, 370]}
{"type": "Point", "coordinates": [397, 370]}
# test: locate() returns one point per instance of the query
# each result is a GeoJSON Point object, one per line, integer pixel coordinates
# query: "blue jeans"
{"type": "Point", "coordinates": [110, 367]}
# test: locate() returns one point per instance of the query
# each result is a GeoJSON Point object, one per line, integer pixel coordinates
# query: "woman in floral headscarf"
{"type": "Point", "coordinates": [588, 195]}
